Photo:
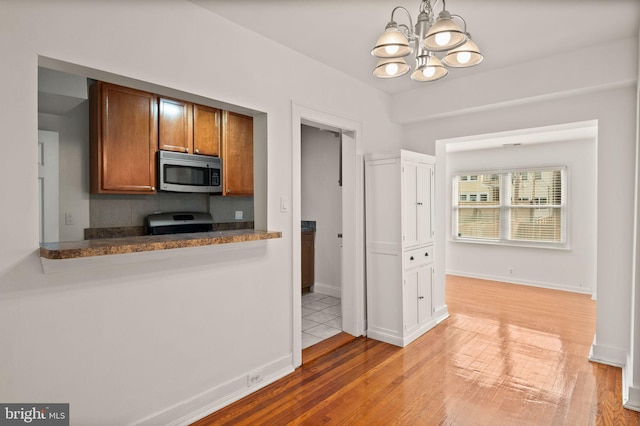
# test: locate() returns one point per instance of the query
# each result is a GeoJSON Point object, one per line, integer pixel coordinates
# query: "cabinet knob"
{"type": "Point", "coordinates": [228, 191]}
{"type": "Point", "coordinates": [186, 150]}
{"type": "Point", "coordinates": [197, 151]}
{"type": "Point", "coordinates": [419, 204]}
{"type": "Point", "coordinates": [426, 254]}
{"type": "Point", "coordinates": [153, 188]}
{"type": "Point", "coordinates": [420, 297]}
{"type": "Point", "coordinates": [411, 258]}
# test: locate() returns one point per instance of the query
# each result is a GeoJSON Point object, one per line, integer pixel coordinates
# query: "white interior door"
{"type": "Point", "coordinates": [48, 185]}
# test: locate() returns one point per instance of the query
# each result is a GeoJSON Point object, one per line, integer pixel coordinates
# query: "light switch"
{"type": "Point", "coordinates": [284, 204]}
{"type": "Point", "coordinates": [238, 214]}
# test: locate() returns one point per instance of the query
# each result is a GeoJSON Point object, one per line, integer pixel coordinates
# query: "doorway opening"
{"type": "Point", "coordinates": [321, 227]}
{"type": "Point", "coordinates": [350, 285]}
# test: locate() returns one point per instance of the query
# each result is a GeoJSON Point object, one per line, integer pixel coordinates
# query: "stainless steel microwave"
{"type": "Point", "coordinates": [178, 172]}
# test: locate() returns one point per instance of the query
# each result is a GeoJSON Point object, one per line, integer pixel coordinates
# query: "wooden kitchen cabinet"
{"type": "Point", "coordinates": [123, 140]}
{"type": "Point", "coordinates": [206, 130]}
{"type": "Point", "coordinates": [189, 128]}
{"type": "Point", "coordinates": [237, 154]}
{"type": "Point", "coordinates": [175, 125]}
{"type": "Point", "coordinates": [308, 259]}
{"type": "Point", "coordinates": [400, 246]}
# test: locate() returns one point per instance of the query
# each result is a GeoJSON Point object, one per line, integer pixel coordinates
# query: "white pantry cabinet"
{"type": "Point", "coordinates": [399, 231]}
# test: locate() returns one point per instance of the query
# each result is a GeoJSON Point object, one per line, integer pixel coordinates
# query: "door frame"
{"type": "Point", "coordinates": [48, 147]}
{"type": "Point", "coordinates": [353, 270]}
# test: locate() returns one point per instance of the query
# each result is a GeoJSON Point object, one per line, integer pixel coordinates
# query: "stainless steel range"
{"type": "Point", "coordinates": [178, 223]}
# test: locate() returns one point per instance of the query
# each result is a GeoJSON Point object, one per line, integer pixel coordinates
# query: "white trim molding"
{"type": "Point", "coordinates": [211, 400]}
{"type": "Point", "coordinates": [607, 355]}
{"type": "Point", "coordinates": [327, 290]}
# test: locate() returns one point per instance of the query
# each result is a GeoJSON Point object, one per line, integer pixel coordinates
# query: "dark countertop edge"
{"type": "Point", "coordinates": [109, 246]}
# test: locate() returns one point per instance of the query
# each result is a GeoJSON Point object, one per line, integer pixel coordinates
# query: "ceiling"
{"type": "Point", "coordinates": [341, 33]}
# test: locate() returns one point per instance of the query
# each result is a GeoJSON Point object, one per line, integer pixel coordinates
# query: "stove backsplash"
{"type": "Point", "coordinates": [113, 210]}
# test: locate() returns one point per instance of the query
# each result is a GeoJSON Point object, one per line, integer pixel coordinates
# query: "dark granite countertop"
{"type": "Point", "coordinates": [308, 225]}
{"type": "Point", "coordinates": [107, 246]}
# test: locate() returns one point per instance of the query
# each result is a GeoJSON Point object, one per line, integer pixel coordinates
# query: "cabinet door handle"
{"type": "Point", "coordinates": [420, 297]}
{"type": "Point", "coordinates": [411, 258]}
{"type": "Point", "coordinates": [419, 204]}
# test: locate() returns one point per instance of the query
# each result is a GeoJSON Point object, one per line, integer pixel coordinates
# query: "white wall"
{"type": "Point", "coordinates": [609, 98]}
{"type": "Point", "coordinates": [573, 269]}
{"type": "Point", "coordinates": [631, 372]}
{"type": "Point", "coordinates": [172, 332]}
{"type": "Point", "coordinates": [73, 131]}
{"type": "Point", "coordinates": [322, 202]}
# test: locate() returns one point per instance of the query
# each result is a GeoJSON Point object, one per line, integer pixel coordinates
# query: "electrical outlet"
{"type": "Point", "coordinates": [238, 214]}
{"type": "Point", "coordinates": [254, 378]}
{"type": "Point", "coordinates": [510, 271]}
{"type": "Point", "coordinates": [68, 219]}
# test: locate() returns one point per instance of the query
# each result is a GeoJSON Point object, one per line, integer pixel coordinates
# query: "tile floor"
{"type": "Point", "coordinates": [321, 318]}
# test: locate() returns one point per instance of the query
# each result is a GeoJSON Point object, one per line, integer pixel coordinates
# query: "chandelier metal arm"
{"type": "Point", "coordinates": [464, 29]}
{"type": "Point", "coordinates": [410, 28]}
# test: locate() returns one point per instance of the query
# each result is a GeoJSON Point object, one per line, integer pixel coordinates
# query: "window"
{"type": "Point", "coordinates": [516, 207]}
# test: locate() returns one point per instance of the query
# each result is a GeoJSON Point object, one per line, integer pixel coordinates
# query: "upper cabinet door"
{"type": "Point", "coordinates": [425, 206]}
{"type": "Point", "coordinates": [206, 130]}
{"type": "Point", "coordinates": [237, 154]}
{"type": "Point", "coordinates": [176, 125]}
{"type": "Point", "coordinates": [123, 140]}
{"type": "Point", "coordinates": [410, 206]}
{"type": "Point", "coordinates": [417, 193]}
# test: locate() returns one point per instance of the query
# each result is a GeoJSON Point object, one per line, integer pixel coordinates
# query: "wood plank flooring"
{"type": "Point", "coordinates": [508, 355]}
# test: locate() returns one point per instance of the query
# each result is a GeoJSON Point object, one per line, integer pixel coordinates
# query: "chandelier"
{"type": "Point", "coordinates": [425, 40]}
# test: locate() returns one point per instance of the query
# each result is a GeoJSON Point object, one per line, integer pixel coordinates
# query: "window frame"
{"type": "Point", "coordinates": [505, 208]}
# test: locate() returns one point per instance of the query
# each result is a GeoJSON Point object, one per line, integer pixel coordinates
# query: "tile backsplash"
{"type": "Point", "coordinates": [130, 210]}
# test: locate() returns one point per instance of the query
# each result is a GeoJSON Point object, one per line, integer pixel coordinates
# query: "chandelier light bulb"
{"type": "Point", "coordinates": [463, 57]}
{"type": "Point", "coordinates": [442, 39]}
{"type": "Point", "coordinates": [429, 72]}
{"type": "Point", "coordinates": [391, 69]}
{"type": "Point", "coordinates": [391, 50]}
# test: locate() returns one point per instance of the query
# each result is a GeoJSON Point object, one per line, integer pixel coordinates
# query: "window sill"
{"type": "Point", "coordinates": [558, 246]}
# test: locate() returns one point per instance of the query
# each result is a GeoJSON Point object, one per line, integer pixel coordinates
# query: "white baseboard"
{"type": "Point", "coordinates": [441, 314]}
{"type": "Point", "coordinates": [211, 400]}
{"type": "Point", "coordinates": [633, 399]}
{"type": "Point", "coordinates": [513, 280]}
{"type": "Point", "coordinates": [630, 394]}
{"type": "Point", "coordinates": [607, 355]}
{"type": "Point", "coordinates": [327, 290]}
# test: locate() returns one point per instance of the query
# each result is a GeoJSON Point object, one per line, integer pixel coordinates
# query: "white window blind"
{"type": "Point", "coordinates": [511, 207]}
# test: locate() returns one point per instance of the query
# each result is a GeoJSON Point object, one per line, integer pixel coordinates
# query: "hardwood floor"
{"type": "Point", "coordinates": [508, 355]}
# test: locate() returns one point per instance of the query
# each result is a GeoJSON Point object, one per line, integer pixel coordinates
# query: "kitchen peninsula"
{"type": "Point", "coordinates": [108, 246]}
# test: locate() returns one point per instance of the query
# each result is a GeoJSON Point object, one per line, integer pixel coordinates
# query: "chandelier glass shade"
{"type": "Point", "coordinates": [429, 68]}
{"type": "Point", "coordinates": [392, 44]}
{"type": "Point", "coordinates": [391, 67]}
{"type": "Point", "coordinates": [466, 55]}
{"type": "Point", "coordinates": [428, 37]}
